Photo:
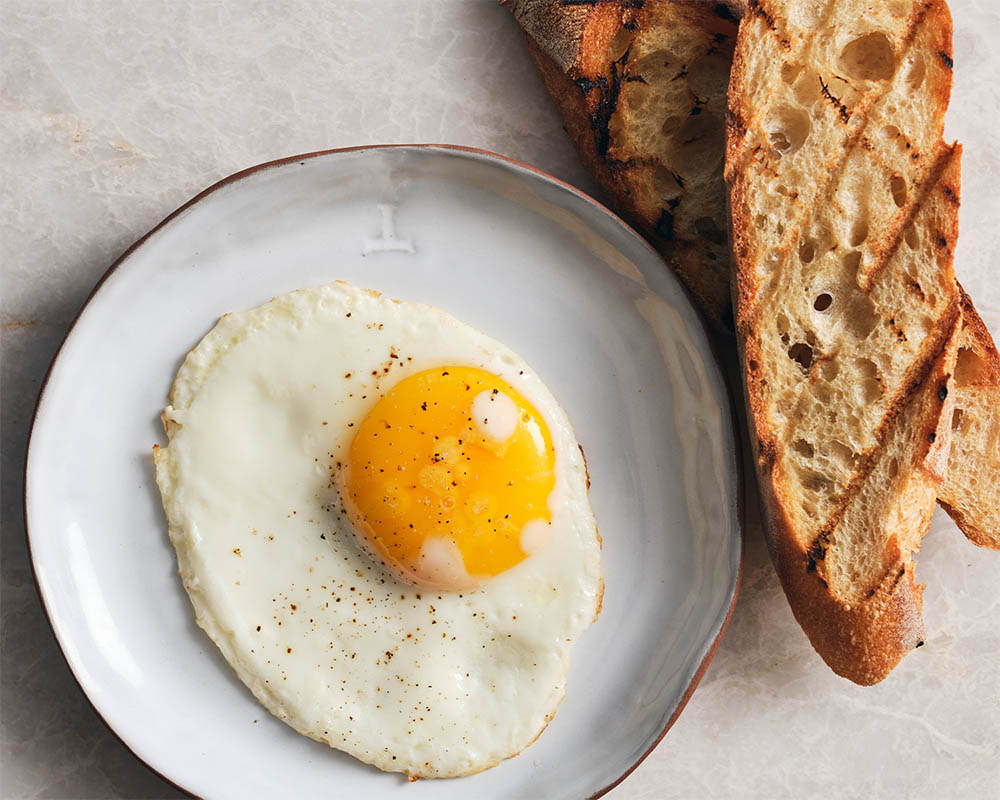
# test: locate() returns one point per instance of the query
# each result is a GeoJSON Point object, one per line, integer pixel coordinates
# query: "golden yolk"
{"type": "Point", "coordinates": [448, 477]}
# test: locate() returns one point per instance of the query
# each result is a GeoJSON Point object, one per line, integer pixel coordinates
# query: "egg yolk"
{"type": "Point", "coordinates": [448, 477]}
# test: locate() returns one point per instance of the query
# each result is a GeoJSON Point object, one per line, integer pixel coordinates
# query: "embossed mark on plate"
{"type": "Point", "coordinates": [388, 240]}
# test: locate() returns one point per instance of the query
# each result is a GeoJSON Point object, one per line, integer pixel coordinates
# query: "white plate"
{"type": "Point", "coordinates": [524, 258]}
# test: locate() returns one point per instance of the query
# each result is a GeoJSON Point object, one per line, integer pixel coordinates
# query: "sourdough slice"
{"type": "Point", "coordinates": [844, 213]}
{"type": "Point", "coordinates": [642, 90]}
{"type": "Point", "coordinates": [971, 491]}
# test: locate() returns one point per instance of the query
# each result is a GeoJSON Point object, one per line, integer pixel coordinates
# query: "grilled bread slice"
{"type": "Point", "coordinates": [971, 491]}
{"type": "Point", "coordinates": [642, 90]}
{"type": "Point", "coordinates": [844, 214]}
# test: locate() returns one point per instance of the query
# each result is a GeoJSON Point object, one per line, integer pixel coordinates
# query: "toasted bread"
{"type": "Point", "coordinates": [971, 491]}
{"type": "Point", "coordinates": [642, 90]}
{"type": "Point", "coordinates": [844, 214]}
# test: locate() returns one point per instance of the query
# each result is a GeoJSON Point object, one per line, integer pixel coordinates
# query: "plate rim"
{"type": "Point", "coordinates": [486, 155]}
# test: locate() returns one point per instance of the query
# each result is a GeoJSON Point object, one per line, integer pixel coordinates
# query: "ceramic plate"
{"type": "Point", "coordinates": [519, 255]}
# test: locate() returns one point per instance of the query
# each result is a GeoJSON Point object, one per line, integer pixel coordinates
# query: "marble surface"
{"type": "Point", "coordinates": [115, 113]}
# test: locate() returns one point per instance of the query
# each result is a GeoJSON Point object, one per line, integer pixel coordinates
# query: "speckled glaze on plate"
{"type": "Point", "coordinates": [515, 253]}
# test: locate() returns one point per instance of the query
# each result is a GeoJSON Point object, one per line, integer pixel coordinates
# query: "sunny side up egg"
{"type": "Point", "coordinates": [381, 519]}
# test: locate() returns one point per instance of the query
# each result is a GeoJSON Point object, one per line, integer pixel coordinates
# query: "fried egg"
{"type": "Point", "coordinates": [381, 519]}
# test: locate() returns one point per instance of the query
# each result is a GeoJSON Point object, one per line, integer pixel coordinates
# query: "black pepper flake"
{"type": "Point", "coordinates": [942, 393]}
{"type": "Point", "coordinates": [931, 437]}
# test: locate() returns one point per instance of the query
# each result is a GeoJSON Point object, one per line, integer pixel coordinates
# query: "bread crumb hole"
{"type": "Point", "coordinates": [828, 370]}
{"type": "Point", "coordinates": [893, 468]}
{"type": "Point", "coordinates": [780, 142]}
{"type": "Point", "coordinates": [671, 125]}
{"type": "Point", "coordinates": [911, 237]}
{"type": "Point", "coordinates": [807, 251]}
{"type": "Point", "coordinates": [898, 188]}
{"type": "Point", "coordinates": [789, 72]}
{"type": "Point", "coordinates": [823, 301]}
{"type": "Point", "coordinates": [968, 367]}
{"type": "Point", "coordinates": [844, 453]}
{"type": "Point", "coordinates": [868, 58]}
{"type": "Point", "coordinates": [781, 322]}
{"type": "Point", "coordinates": [859, 231]}
{"type": "Point", "coordinates": [866, 368]}
{"type": "Point", "coordinates": [815, 482]}
{"type": "Point", "coordinates": [868, 391]}
{"type": "Point", "coordinates": [861, 317]}
{"type": "Point", "coordinates": [957, 419]}
{"type": "Point", "coordinates": [852, 261]}
{"type": "Point", "coordinates": [787, 129]}
{"type": "Point", "coordinates": [803, 448]}
{"type": "Point", "coordinates": [803, 354]}
{"type": "Point", "coordinates": [807, 88]}
{"type": "Point", "coordinates": [915, 74]}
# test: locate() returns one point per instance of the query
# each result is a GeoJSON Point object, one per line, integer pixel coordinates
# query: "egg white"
{"type": "Point", "coordinates": [433, 684]}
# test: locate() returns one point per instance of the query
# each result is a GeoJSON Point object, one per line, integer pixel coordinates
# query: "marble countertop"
{"type": "Point", "coordinates": [115, 113]}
